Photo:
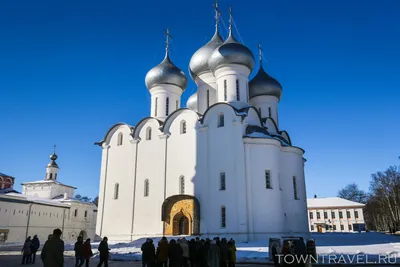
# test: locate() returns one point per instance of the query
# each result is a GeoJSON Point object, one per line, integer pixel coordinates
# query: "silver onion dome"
{"type": "Point", "coordinates": [192, 102]}
{"type": "Point", "coordinates": [231, 52]}
{"type": "Point", "coordinates": [199, 61]}
{"type": "Point", "coordinates": [263, 84]}
{"type": "Point", "coordinates": [166, 73]}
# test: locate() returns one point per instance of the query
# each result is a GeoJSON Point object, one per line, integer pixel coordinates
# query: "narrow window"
{"type": "Point", "coordinates": [356, 214]}
{"type": "Point", "coordinates": [85, 213]}
{"type": "Point", "coordinates": [183, 127]}
{"type": "Point", "coordinates": [167, 107]}
{"type": "Point", "coordinates": [269, 112]}
{"type": "Point", "coordinates": [325, 215]}
{"type": "Point", "coordinates": [348, 214]}
{"type": "Point", "coordinates": [237, 90]}
{"type": "Point", "coordinates": [177, 104]}
{"type": "Point", "coordinates": [333, 215]}
{"type": "Point", "coordinates": [222, 185]}
{"type": "Point", "coordinates": [225, 91]}
{"type": "Point", "coordinates": [76, 213]}
{"type": "Point", "coordinates": [148, 133]}
{"type": "Point", "coordinates": [334, 227]}
{"type": "Point", "coordinates": [340, 215]}
{"type": "Point", "coordinates": [318, 215]}
{"type": "Point", "coordinates": [223, 217]}
{"type": "Point", "coordinates": [311, 215]}
{"type": "Point", "coordinates": [221, 119]}
{"type": "Point", "coordinates": [155, 111]}
{"type": "Point", "coordinates": [295, 188]}
{"type": "Point", "coordinates": [326, 227]}
{"type": "Point", "coordinates": [312, 227]}
{"type": "Point", "coordinates": [120, 137]}
{"type": "Point", "coordinates": [51, 175]}
{"type": "Point", "coordinates": [208, 98]}
{"type": "Point", "coordinates": [182, 185]}
{"type": "Point", "coordinates": [259, 110]}
{"type": "Point", "coordinates": [146, 188]}
{"type": "Point", "coordinates": [350, 227]}
{"type": "Point", "coordinates": [342, 227]}
{"type": "Point", "coordinates": [268, 179]}
{"type": "Point", "coordinates": [116, 190]}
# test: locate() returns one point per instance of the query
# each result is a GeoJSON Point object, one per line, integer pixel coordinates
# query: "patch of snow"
{"type": "Point", "coordinates": [331, 202]}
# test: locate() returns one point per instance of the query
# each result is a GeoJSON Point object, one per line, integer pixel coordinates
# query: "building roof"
{"type": "Point", "coordinates": [5, 175]}
{"type": "Point", "coordinates": [330, 202]}
{"type": "Point", "coordinates": [47, 182]}
{"type": "Point", "coordinates": [15, 197]}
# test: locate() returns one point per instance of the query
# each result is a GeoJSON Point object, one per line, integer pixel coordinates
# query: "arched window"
{"type": "Point", "coordinates": [116, 191]}
{"type": "Point", "coordinates": [183, 127]}
{"type": "Point", "coordinates": [269, 112]}
{"type": "Point", "coordinates": [221, 120]}
{"type": "Point", "coordinates": [225, 91]}
{"type": "Point", "coordinates": [167, 106]}
{"type": "Point", "coordinates": [222, 185]}
{"type": "Point", "coordinates": [148, 133]}
{"type": "Point", "coordinates": [237, 90]}
{"type": "Point", "coordinates": [146, 187]}
{"type": "Point", "coordinates": [295, 188]}
{"type": "Point", "coordinates": [268, 179]}
{"type": "Point", "coordinates": [177, 104]}
{"type": "Point", "coordinates": [51, 176]}
{"type": "Point", "coordinates": [120, 138]}
{"type": "Point", "coordinates": [223, 217]}
{"type": "Point", "coordinates": [208, 98]}
{"type": "Point", "coordinates": [182, 185]}
{"type": "Point", "coordinates": [156, 107]}
{"type": "Point", "coordinates": [76, 212]}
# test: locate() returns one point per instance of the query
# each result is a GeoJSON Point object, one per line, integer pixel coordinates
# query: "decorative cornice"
{"type": "Point", "coordinates": [135, 140]}
{"type": "Point", "coordinates": [105, 146]}
{"type": "Point", "coordinates": [163, 136]}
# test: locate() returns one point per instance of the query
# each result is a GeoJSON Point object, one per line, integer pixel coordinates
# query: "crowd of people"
{"type": "Point", "coordinates": [175, 253]}
{"type": "Point", "coordinates": [194, 253]}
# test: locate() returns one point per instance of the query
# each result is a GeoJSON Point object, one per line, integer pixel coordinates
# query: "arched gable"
{"type": "Point", "coordinates": [144, 123]}
{"type": "Point", "coordinates": [271, 125]}
{"type": "Point", "coordinates": [111, 132]}
{"type": "Point", "coordinates": [286, 136]}
{"type": "Point", "coordinates": [175, 115]}
{"type": "Point", "coordinates": [253, 117]}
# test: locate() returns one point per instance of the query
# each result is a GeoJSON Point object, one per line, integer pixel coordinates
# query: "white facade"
{"type": "Point", "coordinates": [44, 206]}
{"type": "Point", "coordinates": [335, 215]}
{"type": "Point", "coordinates": [242, 172]}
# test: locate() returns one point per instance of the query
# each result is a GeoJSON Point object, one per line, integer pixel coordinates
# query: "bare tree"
{"type": "Point", "coordinates": [353, 193]}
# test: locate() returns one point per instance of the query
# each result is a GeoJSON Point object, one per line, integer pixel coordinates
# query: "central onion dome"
{"type": "Point", "coordinates": [53, 158]}
{"type": "Point", "coordinates": [192, 102]}
{"type": "Point", "coordinates": [199, 61]}
{"type": "Point", "coordinates": [231, 52]}
{"type": "Point", "coordinates": [166, 73]}
{"type": "Point", "coordinates": [263, 84]}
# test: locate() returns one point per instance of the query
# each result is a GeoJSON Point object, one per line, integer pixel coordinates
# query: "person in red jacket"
{"type": "Point", "coordinates": [87, 251]}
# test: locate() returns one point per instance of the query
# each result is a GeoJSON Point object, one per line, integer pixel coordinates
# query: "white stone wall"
{"type": "Point", "coordinates": [161, 93]}
{"type": "Point", "coordinates": [264, 104]}
{"type": "Point", "coordinates": [230, 74]}
{"type": "Point", "coordinates": [43, 219]}
{"type": "Point", "coordinates": [206, 82]}
{"type": "Point", "coordinates": [47, 190]}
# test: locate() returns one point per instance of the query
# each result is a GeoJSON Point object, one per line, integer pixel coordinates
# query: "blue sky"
{"type": "Point", "coordinates": [71, 69]}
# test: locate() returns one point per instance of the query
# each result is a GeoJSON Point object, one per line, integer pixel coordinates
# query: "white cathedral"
{"type": "Point", "coordinates": [221, 166]}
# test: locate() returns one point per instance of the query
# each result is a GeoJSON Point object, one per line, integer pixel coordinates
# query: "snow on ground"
{"type": "Point", "coordinates": [341, 247]}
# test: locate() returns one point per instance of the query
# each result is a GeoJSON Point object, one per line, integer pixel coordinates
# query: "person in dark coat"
{"type": "Point", "coordinates": [53, 251]}
{"type": "Point", "coordinates": [223, 253]}
{"type": "Point", "coordinates": [231, 253]}
{"type": "Point", "coordinates": [148, 253]}
{"type": "Point", "coordinates": [175, 254]}
{"type": "Point", "coordinates": [35, 247]}
{"type": "Point", "coordinates": [192, 252]}
{"type": "Point", "coordinates": [104, 252]}
{"type": "Point", "coordinates": [87, 251]}
{"type": "Point", "coordinates": [203, 253]}
{"type": "Point", "coordinates": [162, 252]}
{"type": "Point", "coordinates": [79, 252]}
{"type": "Point", "coordinates": [213, 255]}
{"type": "Point", "coordinates": [27, 251]}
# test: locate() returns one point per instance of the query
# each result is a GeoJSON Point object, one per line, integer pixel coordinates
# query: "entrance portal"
{"type": "Point", "coordinates": [181, 215]}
